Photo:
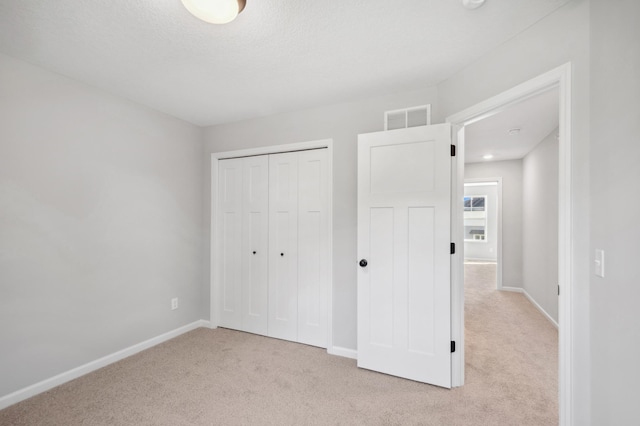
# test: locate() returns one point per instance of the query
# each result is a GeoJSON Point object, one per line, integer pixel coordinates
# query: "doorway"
{"type": "Point", "coordinates": [483, 225]}
{"type": "Point", "coordinates": [558, 78]}
{"type": "Point", "coordinates": [518, 144]}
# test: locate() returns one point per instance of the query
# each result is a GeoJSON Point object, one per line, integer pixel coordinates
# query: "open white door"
{"type": "Point", "coordinates": [404, 236]}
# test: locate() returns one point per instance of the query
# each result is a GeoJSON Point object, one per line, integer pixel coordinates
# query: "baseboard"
{"type": "Point", "coordinates": [513, 289]}
{"type": "Point", "coordinates": [343, 352]}
{"type": "Point", "coordinates": [45, 385]}
{"type": "Point", "coordinates": [534, 303]}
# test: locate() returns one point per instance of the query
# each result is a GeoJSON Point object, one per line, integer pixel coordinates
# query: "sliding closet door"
{"type": "Point", "coordinates": [283, 250]}
{"type": "Point", "coordinates": [313, 247]}
{"type": "Point", "coordinates": [230, 233]}
{"type": "Point", "coordinates": [255, 245]}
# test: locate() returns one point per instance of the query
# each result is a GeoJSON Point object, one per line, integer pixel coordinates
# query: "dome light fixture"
{"type": "Point", "coordinates": [215, 11]}
{"type": "Point", "coordinates": [472, 4]}
{"type": "Point", "coordinates": [487, 156]}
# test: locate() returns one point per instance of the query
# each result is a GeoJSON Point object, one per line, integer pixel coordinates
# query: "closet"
{"type": "Point", "coordinates": [273, 251]}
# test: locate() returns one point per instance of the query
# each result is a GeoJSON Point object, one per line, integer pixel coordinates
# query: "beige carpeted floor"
{"type": "Point", "coordinates": [224, 377]}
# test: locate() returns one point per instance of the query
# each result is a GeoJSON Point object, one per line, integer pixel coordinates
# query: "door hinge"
{"type": "Point", "coordinates": [453, 346]}
{"type": "Point", "coordinates": [453, 248]}
{"type": "Point", "coordinates": [453, 150]}
{"type": "Point", "coordinates": [558, 290]}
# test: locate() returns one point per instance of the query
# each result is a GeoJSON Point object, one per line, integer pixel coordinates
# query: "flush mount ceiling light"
{"type": "Point", "coordinates": [487, 157]}
{"type": "Point", "coordinates": [472, 4]}
{"type": "Point", "coordinates": [215, 11]}
{"type": "Point", "coordinates": [514, 132]}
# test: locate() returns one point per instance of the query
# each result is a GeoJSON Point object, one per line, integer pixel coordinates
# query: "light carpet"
{"type": "Point", "coordinates": [225, 377]}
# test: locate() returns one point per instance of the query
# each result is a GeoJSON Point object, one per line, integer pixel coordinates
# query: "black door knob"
{"type": "Point", "coordinates": [363, 263]}
{"type": "Point", "coordinates": [281, 254]}
{"type": "Point", "coordinates": [254, 252]}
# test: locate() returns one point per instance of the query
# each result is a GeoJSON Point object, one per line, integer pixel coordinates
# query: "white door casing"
{"type": "Point", "coordinates": [560, 77]}
{"type": "Point", "coordinates": [404, 212]}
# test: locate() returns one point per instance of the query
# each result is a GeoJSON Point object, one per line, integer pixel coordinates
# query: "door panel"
{"type": "Point", "coordinates": [230, 229]}
{"type": "Point", "coordinates": [255, 246]}
{"type": "Point", "coordinates": [421, 230]}
{"type": "Point", "coordinates": [409, 174]}
{"type": "Point", "coordinates": [313, 247]}
{"type": "Point", "coordinates": [283, 236]}
{"type": "Point", "coordinates": [404, 180]}
{"type": "Point", "coordinates": [380, 289]}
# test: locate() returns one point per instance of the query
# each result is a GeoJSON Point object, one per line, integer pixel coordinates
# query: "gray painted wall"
{"type": "Point", "coordinates": [511, 174]}
{"type": "Point", "coordinates": [540, 224]}
{"type": "Point", "coordinates": [342, 123]}
{"type": "Point", "coordinates": [615, 177]}
{"type": "Point", "coordinates": [100, 224]}
{"type": "Point", "coordinates": [559, 38]}
{"type": "Point", "coordinates": [487, 249]}
{"type": "Point", "coordinates": [71, 157]}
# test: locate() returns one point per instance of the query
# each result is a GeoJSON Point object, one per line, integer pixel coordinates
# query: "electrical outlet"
{"type": "Point", "coordinates": [174, 303]}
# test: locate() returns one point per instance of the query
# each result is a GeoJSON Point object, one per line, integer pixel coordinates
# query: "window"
{"type": "Point", "coordinates": [475, 218]}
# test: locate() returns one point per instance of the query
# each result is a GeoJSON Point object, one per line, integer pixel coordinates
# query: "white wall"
{"type": "Point", "coordinates": [615, 206]}
{"type": "Point", "coordinates": [487, 249]}
{"type": "Point", "coordinates": [559, 38]}
{"type": "Point", "coordinates": [511, 174]}
{"type": "Point", "coordinates": [100, 224]}
{"type": "Point", "coordinates": [540, 224]}
{"type": "Point", "coordinates": [342, 123]}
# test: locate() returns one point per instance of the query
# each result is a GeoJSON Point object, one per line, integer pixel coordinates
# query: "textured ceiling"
{"type": "Point", "coordinates": [536, 118]}
{"type": "Point", "coordinates": [277, 56]}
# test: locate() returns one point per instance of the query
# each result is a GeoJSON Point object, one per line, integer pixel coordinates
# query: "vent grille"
{"type": "Point", "coordinates": [408, 117]}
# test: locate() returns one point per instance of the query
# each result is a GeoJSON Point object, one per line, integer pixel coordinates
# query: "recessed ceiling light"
{"type": "Point", "coordinates": [215, 11]}
{"type": "Point", "coordinates": [472, 4]}
{"type": "Point", "coordinates": [487, 156]}
{"type": "Point", "coordinates": [514, 132]}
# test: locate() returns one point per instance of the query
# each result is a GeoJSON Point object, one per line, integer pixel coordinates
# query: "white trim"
{"type": "Point", "coordinates": [559, 77]}
{"type": "Point", "coordinates": [498, 181]}
{"type": "Point", "coordinates": [542, 311]}
{"type": "Point", "coordinates": [343, 352]}
{"type": "Point", "coordinates": [457, 259]}
{"type": "Point", "coordinates": [533, 302]}
{"type": "Point", "coordinates": [275, 149]}
{"type": "Point", "coordinates": [45, 385]}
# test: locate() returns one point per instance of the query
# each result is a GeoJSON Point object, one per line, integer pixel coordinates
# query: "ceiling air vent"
{"type": "Point", "coordinates": [408, 117]}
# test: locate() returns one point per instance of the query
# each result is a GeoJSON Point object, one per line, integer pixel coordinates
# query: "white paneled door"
{"type": "Point", "coordinates": [274, 245]}
{"type": "Point", "coordinates": [230, 231]}
{"type": "Point", "coordinates": [404, 236]}
{"type": "Point", "coordinates": [255, 243]}
{"type": "Point", "coordinates": [283, 245]}
{"type": "Point", "coordinates": [313, 247]}
{"type": "Point", "coordinates": [244, 203]}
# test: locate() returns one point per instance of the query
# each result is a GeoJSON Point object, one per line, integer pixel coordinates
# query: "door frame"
{"type": "Point", "coordinates": [559, 77]}
{"type": "Point", "coordinates": [214, 279]}
{"type": "Point", "coordinates": [498, 182]}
